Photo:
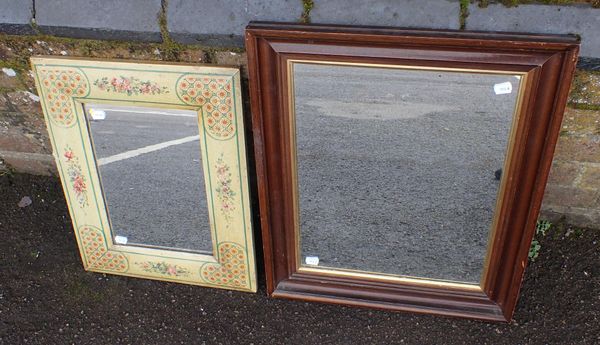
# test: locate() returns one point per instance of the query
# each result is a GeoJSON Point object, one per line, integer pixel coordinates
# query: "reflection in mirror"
{"type": "Point", "coordinates": [398, 169]}
{"type": "Point", "coordinates": [151, 171]}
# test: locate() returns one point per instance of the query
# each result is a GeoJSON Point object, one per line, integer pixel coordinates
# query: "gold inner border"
{"type": "Point", "coordinates": [396, 278]}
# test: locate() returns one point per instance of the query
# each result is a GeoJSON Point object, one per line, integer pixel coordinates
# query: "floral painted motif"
{"type": "Point", "coordinates": [231, 270]}
{"type": "Point", "coordinates": [225, 194]}
{"type": "Point", "coordinates": [76, 178]}
{"type": "Point", "coordinates": [214, 95]}
{"type": "Point", "coordinates": [129, 86]}
{"type": "Point", "coordinates": [59, 87]}
{"type": "Point", "coordinates": [163, 268]}
{"type": "Point", "coordinates": [96, 253]}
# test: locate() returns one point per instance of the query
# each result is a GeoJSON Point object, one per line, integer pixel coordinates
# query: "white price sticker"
{"type": "Point", "coordinates": [503, 88]}
{"type": "Point", "coordinates": [120, 240]}
{"type": "Point", "coordinates": [97, 114]}
{"type": "Point", "coordinates": [312, 260]}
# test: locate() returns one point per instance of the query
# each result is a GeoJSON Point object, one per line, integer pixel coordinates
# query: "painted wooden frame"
{"type": "Point", "coordinates": [546, 64]}
{"type": "Point", "coordinates": [64, 85]}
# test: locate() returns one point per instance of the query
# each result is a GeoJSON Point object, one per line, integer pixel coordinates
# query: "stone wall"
{"type": "Point", "coordinates": [210, 32]}
{"type": "Point", "coordinates": [222, 22]}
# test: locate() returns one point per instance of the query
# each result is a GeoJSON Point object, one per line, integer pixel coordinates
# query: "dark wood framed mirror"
{"type": "Point", "coordinates": [403, 169]}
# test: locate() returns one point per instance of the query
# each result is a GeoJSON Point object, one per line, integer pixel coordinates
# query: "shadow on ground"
{"type": "Point", "coordinates": [47, 298]}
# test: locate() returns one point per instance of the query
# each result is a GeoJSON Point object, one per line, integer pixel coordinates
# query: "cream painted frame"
{"type": "Point", "coordinates": [65, 84]}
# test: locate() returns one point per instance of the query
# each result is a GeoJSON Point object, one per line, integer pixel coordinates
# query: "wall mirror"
{"type": "Point", "coordinates": [153, 165]}
{"type": "Point", "coordinates": [412, 191]}
{"type": "Point", "coordinates": [151, 174]}
{"type": "Point", "coordinates": [403, 169]}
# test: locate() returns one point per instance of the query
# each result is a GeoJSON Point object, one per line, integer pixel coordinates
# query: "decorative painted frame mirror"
{"type": "Point", "coordinates": [131, 142]}
{"type": "Point", "coordinates": [403, 169]}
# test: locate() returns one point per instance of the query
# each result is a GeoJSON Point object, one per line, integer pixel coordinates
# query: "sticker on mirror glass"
{"type": "Point", "coordinates": [120, 239]}
{"type": "Point", "coordinates": [97, 114]}
{"type": "Point", "coordinates": [312, 260]}
{"type": "Point", "coordinates": [503, 88]}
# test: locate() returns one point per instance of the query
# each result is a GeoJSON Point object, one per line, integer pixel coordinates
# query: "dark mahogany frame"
{"type": "Point", "coordinates": [548, 61]}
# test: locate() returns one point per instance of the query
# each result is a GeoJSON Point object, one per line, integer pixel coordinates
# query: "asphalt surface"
{"type": "Point", "coordinates": [396, 168]}
{"type": "Point", "coordinates": [156, 198]}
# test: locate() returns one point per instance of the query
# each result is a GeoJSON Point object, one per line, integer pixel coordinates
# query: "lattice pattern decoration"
{"type": "Point", "coordinates": [96, 254]}
{"type": "Point", "coordinates": [231, 269]}
{"type": "Point", "coordinates": [60, 86]}
{"type": "Point", "coordinates": [214, 95]}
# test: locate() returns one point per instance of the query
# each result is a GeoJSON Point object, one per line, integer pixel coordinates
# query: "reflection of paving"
{"type": "Point", "coordinates": [146, 149]}
{"type": "Point", "coordinates": [372, 110]}
{"type": "Point", "coordinates": [409, 194]}
{"type": "Point", "coordinates": [124, 131]}
{"type": "Point", "coordinates": [152, 177]}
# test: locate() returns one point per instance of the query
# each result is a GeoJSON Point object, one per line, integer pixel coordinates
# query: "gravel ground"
{"type": "Point", "coordinates": [47, 298]}
{"type": "Point", "coordinates": [399, 180]}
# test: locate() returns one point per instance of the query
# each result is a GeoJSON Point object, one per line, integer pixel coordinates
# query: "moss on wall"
{"type": "Point", "coordinates": [513, 3]}
{"type": "Point", "coordinates": [464, 13]}
{"type": "Point", "coordinates": [307, 6]}
{"type": "Point", "coordinates": [170, 48]}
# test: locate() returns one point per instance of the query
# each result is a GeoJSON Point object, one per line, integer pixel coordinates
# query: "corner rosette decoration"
{"type": "Point", "coordinates": [231, 269]}
{"type": "Point", "coordinates": [129, 86]}
{"type": "Point", "coordinates": [215, 96]}
{"type": "Point", "coordinates": [163, 268]}
{"type": "Point", "coordinates": [96, 252]}
{"type": "Point", "coordinates": [58, 87]}
{"type": "Point", "coordinates": [77, 180]}
{"type": "Point", "coordinates": [224, 192]}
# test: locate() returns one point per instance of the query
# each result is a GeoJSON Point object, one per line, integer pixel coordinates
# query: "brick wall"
{"type": "Point", "coordinates": [573, 188]}
{"type": "Point", "coordinates": [161, 30]}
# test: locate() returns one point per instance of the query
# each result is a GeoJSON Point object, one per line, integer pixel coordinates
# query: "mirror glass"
{"type": "Point", "coordinates": [399, 169]}
{"type": "Point", "coordinates": [152, 177]}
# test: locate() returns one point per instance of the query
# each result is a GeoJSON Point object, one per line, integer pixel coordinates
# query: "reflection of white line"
{"type": "Point", "coordinates": [145, 111]}
{"type": "Point", "coordinates": [147, 149]}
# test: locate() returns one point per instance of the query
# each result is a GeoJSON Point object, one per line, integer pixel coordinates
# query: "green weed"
{"type": "Point", "coordinates": [541, 229]}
